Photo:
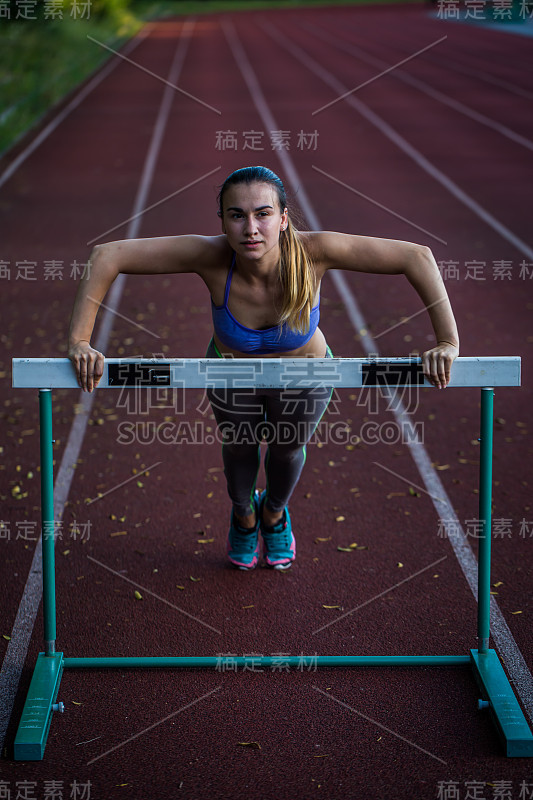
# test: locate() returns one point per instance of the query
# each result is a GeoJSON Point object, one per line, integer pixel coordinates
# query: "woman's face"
{"type": "Point", "coordinates": [252, 219]}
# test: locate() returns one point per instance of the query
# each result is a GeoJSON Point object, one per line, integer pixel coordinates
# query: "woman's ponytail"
{"type": "Point", "coordinates": [297, 279]}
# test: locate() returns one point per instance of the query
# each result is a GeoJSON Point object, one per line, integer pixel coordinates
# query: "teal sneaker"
{"type": "Point", "coordinates": [279, 544]}
{"type": "Point", "coordinates": [243, 548]}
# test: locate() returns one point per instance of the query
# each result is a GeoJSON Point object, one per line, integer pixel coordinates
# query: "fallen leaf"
{"type": "Point", "coordinates": [118, 533]}
{"type": "Point", "coordinates": [66, 552]}
{"type": "Point", "coordinates": [353, 545]}
{"type": "Point", "coordinates": [140, 484]}
{"type": "Point", "coordinates": [179, 587]}
{"type": "Point", "coordinates": [516, 612]}
{"type": "Point", "coordinates": [345, 549]}
{"type": "Point", "coordinates": [395, 494]}
{"type": "Point", "coordinates": [6, 637]}
{"type": "Point", "coordinates": [138, 595]}
{"type": "Point", "coordinates": [75, 703]}
{"type": "Point", "coordinates": [324, 756]}
{"type": "Point", "coordinates": [413, 493]}
{"type": "Point", "coordinates": [500, 583]}
{"type": "Point", "coordinates": [323, 539]}
{"type": "Point", "coordinates": [247, 606]}
{"type": "Point", "coordinates": [323, 606]}
{"type": "Point", "coordinates": [340, 519]}
{"type": "Point", "coordinates": [194, 579]}
{"type": "Point", "coordinates": [399, 564]}
{"type": "Point", "coordinates": [443, 466]}
{"type": "Point", "coordinates": [205, 541]}
{"type": "Point", "coordinates": [253, 745]}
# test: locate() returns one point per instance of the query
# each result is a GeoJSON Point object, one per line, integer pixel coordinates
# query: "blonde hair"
{"type": "Point", "coordinates": [296, 273]}
{"type": "Point", "coordinates": [298, 282]}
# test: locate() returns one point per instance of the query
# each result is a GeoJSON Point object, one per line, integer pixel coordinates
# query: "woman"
{"type": "Point", "coordinates": [274, 274]}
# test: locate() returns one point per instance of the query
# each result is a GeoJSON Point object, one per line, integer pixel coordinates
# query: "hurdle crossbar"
{"type": "Point", "coordinates": [389, 374]}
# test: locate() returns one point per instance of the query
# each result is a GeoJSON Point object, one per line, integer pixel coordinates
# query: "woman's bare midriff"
{"type": "Point", "coordinates": [315, 348]}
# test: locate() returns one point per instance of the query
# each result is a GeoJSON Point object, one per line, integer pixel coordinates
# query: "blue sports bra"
{"type": "Point", "coordinates": [277, 339]}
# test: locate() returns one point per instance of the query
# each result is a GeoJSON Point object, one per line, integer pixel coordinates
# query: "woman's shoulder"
{"type": "Point", "coordinates": [315, 244]}
{"type": "Point", "coordinates": [215, 251]}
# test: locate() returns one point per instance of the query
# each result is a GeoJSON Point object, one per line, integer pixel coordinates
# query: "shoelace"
{"type": "Point", "coordinates": [241, 539]}
{"type": "Point", "coordinates": [285, 541]}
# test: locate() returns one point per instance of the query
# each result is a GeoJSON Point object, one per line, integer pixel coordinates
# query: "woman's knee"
{"type": "Point", "coordinates": [285, 452]}
{"type": "Point", "coordinates": [239, 450]}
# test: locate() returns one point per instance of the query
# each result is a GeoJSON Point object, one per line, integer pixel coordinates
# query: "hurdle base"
{"type": "Point", "coordinates": [510, 722]}
{"type": "Point", "coordinates": [34, 725]}
{"type": "Point", "coordinates": [506, 713]}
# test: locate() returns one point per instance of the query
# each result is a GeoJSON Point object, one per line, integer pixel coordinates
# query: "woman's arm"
{"type": "Point", "coordinates": [394, 257]}
{"type": "Point", "coordinates": [167, 254]}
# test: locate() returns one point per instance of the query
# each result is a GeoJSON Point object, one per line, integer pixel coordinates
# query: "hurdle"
{"type": "Point", "coordinates": [387, 374]}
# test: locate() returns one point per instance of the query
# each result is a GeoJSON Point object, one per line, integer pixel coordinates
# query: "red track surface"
{"type": "Point", "coordinates": [80, 183]}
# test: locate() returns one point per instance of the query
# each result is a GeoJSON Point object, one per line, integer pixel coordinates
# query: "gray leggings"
{"type": "Point", "coordinates": [287, 418]}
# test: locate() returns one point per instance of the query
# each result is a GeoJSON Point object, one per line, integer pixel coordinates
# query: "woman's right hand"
{"type": "Point", "coordinates": [88, 364]}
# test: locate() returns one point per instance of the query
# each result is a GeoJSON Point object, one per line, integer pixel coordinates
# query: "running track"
{"type": "Point", "coordinates": [437, 151]}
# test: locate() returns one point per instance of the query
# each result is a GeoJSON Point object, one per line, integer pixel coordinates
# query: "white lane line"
{"type": "Point", "coordinates": [492, 80]}
{"type": "Point", "coordinates": [154, 75]}
{"type": "Point", "coordinates": [74, 103]}
{"type": "Point", "coordinates": [24, 622]}
{"type": "Point", "coordinates": [388, 131]}
{"type": "Point", "coordinates": [356, 52]}
{"type": "Point", "coordinates": [512, 657]}
{"type": "Point", "coordinates": [384, 67]}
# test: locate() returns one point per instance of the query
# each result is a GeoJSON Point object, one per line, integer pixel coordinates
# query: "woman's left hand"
{"type": "Point", "coordinates": [437, 363]}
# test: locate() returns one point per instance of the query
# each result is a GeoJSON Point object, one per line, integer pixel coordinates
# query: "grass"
{"type": "Point", "coordinates": [209, 6]}
{"type": "Point", "coordinates": [42, 59]}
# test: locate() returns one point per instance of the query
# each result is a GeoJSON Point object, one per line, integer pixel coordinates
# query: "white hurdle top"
{"type": "Point", "coordinates": [265, 373]}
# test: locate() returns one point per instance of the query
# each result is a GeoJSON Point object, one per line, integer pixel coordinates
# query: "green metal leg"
{"type": "Point", "coordinates": [36, 717]}
{"type": "Point", "coordinates": [48, 524]}
{"type": "Point", "coordinates": [485, 503]}
{"type": "Point", "coordinates": [488, 670]}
